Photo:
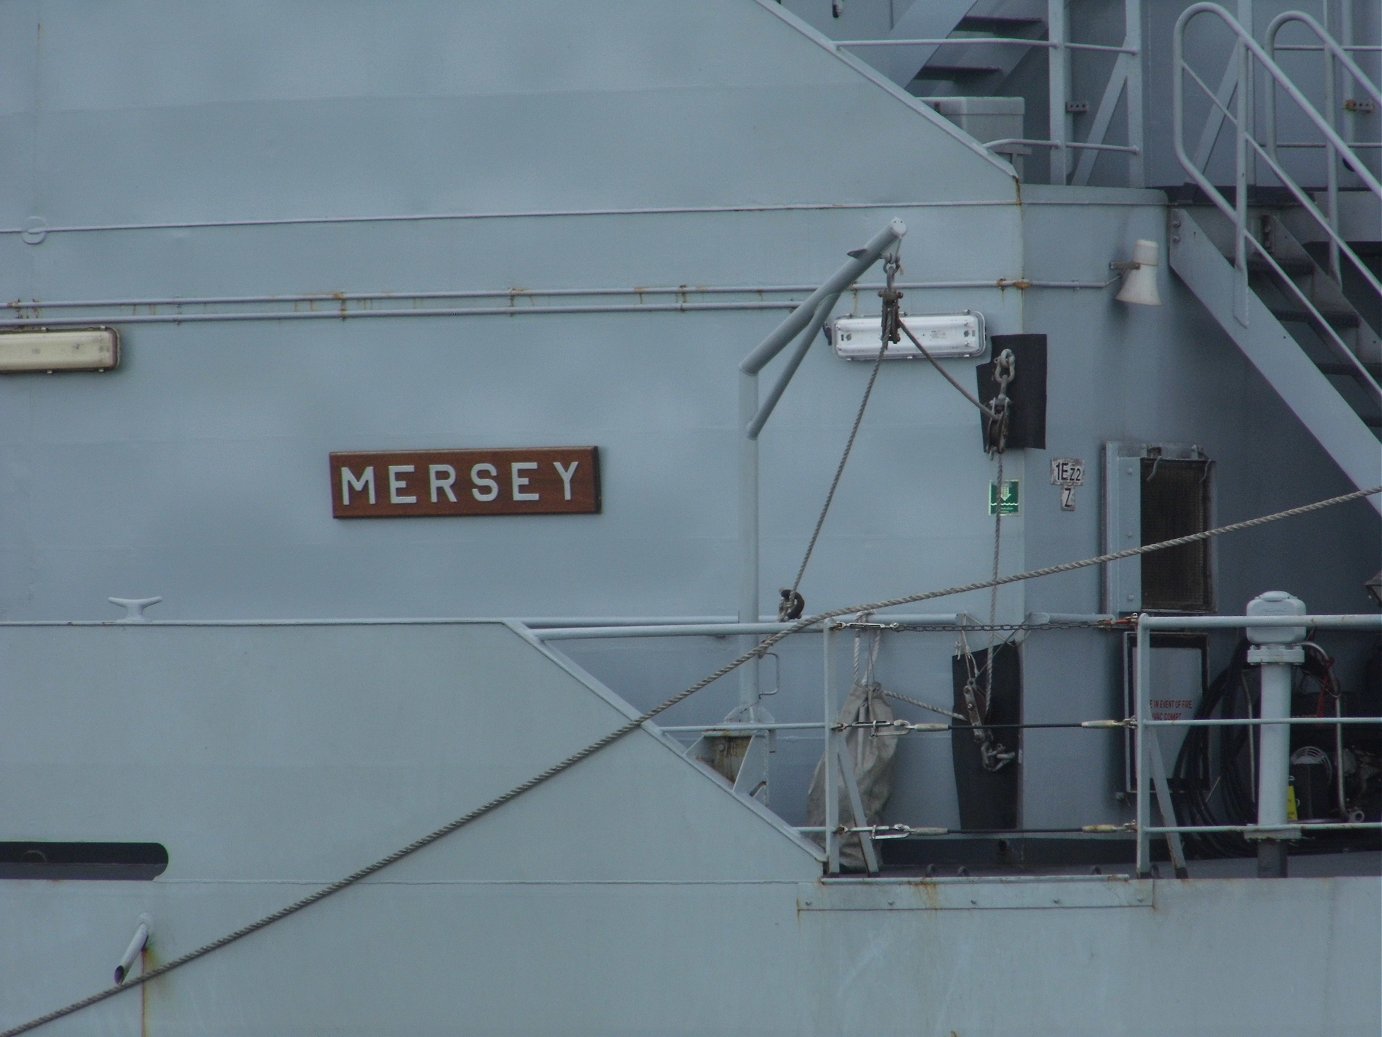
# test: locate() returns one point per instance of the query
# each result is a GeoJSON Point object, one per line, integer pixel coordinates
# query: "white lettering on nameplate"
{"type": "Point", "coordinates": [537, 481]}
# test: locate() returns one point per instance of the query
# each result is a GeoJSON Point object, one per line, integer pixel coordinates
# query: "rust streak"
{"type": "Point", "coordinates": [930, 893]}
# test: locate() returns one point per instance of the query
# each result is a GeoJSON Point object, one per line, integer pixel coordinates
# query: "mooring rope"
{"type": "Point", "coordinates": [590, 750]}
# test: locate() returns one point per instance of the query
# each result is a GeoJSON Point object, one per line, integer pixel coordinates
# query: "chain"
{"type": "Point", "coordinates": [1004, 371]}
{"type": "Point", "coordinates": [960, 628]}
{"type": "Point", "coordinates": [993, 754]}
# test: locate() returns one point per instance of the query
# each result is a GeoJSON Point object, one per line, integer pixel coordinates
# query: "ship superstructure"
{"type": "Point", "coordinates": [648, 518]}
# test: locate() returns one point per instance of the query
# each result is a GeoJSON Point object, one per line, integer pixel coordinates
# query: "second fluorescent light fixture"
{"type": "Point", "coordinates": [85, 349]}
{"type": "Point", "coordinates": [943, 335]}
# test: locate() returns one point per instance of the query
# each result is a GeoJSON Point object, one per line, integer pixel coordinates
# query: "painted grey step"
{"type": "Point", "coordinates": [1291, 267]}
{"type": "Point", "coordinates": [1336, 367]}
{"type": "Point", "coordinates": [928, 20]}
{"type": "Point", "coordinates": [1361, 294]}
{"type": "Point", "coordinates": [955, 72]}
{"type": "Point", "coordinates": [1335, 318]}
{"type": "Point", "coordinates": [997, 25]}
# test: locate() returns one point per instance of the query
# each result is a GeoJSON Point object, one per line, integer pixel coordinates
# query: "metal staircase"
{"type": "Point", "coordinates": [1279, 265]}
{"type": "Point", "coordinates": [1280, 235]}
{"type": "Point", "coordinates": [982, 52]}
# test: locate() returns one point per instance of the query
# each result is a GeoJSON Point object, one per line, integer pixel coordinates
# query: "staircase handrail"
{"type": "Point", "coordinates": [1245, 46]}
{"type": "Point", "coordinates": [1333, 51]}
{"type": "Point", "coordinates": [1336, 49]}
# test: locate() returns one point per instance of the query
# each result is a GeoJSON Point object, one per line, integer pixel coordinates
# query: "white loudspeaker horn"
{"type": "Point", "coordinates": [1139, 276]}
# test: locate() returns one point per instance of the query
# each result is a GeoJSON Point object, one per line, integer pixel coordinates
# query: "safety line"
{"type": "Point", "coordinates": [590, 750]}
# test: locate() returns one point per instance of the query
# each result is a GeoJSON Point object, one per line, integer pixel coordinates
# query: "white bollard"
{"type": "Point", "coordinates": [1276, 650]}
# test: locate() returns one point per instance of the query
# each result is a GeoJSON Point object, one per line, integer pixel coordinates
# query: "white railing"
{"type": "Point", "coordinates": [1237, 86]}
{"type": "Point", "coordinates": [1335, 56]}
{"type": "Point", "coordinates": [1150, 783]}
{"type": "Point", "coordinates": [1273, 764]}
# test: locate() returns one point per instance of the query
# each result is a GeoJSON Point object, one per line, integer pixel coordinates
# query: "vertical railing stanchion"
{"type": "Point", "coordinates": [1058, 90]}
{"type": "Point", "coordinates": [1331, 166]}
{"type": "Point", "coordinates": [1141, 697]}
{"type": "Point", "coordinates": [832, 838]}
{"type": "Point", "coordinates": [1132, 94]}
{"type": "Point", "coordinates": [749, 611]}
{"type": "Point", "coordinates": [1242, 113]}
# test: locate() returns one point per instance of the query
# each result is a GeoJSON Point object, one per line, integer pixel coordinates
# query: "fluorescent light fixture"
{"type": "Point", "coordinates": [85, 349]}
{"type": "Point", "coordinates": [943, 335]}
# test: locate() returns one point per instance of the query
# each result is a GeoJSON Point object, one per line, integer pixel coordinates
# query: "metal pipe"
{"type": "Point", "coordinates": [1058, 91]}
{"type": "Point", "coordinates": [1132, 93]}
{"type": "Point", "coordinates": [1218, 622]}
{"type": "Point", "coordinates": [737, 725]}
{"type": "Point", "coordinates": [1356, 145]}
{"type": "Point", "coordinates": [447, 311]}
{"type": "Point", "coordinates": [1142, 680]}
{"type": "Point", "coordinates": [181, 317]}
{"type": "Point", "coordinates": [1242, 99]}
{"type": "Point", "coordinates": [1276, 663]}
{"type": "Point", "coordinates": [1351, 48]}
{"type": "Point", "coordinates": [748, 503]}
{"type": "Point", "coordinates": [669, 630]}
{"type": "Point", "coordinates": [832, 838]}
{"type": "Point", "coordinates": [1044, 618]}
{"type": "Point", "coordinates": [292, 221]}
{"type": "Point", "coordinates": [548, 622]}
{"type": "Point", "coordinates": [850, 272]}
{"type": "Point", "coordinates": [1340, 722]}
{"type": "Point", "coordinates": [137, 944]}
{"type": "Point", "coordinates": [334, 299]}
{"type": "Point", "coordinates": [297, 221]}
{"type": "Point", "coordinates": [808, 335]}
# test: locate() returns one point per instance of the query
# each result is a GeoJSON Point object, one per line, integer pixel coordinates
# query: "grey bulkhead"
{"type": "Point", "coordinates": [158, 152]}
{"type": "Point", "coordinates": [432, 148]}
{"type": "Point", "coordinates": [583, 166]}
